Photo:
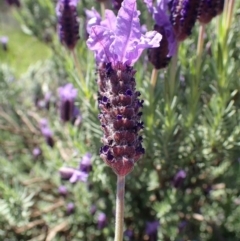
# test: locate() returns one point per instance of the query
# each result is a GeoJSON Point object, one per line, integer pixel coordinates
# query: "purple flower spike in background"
{"type": "Point", "coordinates": [161, 56]}
{"type": "Point", "coordinates": [66, 172]}
{"type": "Point", "coordinates": [67, 96]}
{"type": "Point", "coordinates": [46, 132]}
{"type": "Point", "coordinates": [102, 220]}
{"type": "Point", "coordinates": [36, 152]}
{"type": "Point", "coordinates": [68, 25]}
{"type": "Point", "coordinates": [70, 208]}
{"type": "Point", "coordinates": [4, 42]}
{"type": "Point", "coordinates": [183, 17]}
{"type": "Point", "coordinates": [119, 46]}
{"type": "Point", "coordinates": [179, 178]}
{"type": "Point", "coordinates": [208, 9]}
{"type": "Point", "coordinates": [86, 163]}
{"type": "Point", "coordinates": [152, 230]}
{"type": "Point", "coordinates": [63, 191]}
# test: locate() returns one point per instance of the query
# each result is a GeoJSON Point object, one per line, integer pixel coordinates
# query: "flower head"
{"type": "Point", "coordinates": [72, 174]}
{"type": "Point", "coordinates": [152, 230]}
{"type": "Point", "coordinates": [68, 25]}
{"type": "Point", "coordinates": [183, 17]}
{"type": "Point", "coordinates": [46, 132]}
{"type": "Point", "coordinates": [67, 95]}
{"type": "Point", "coordinates": [123, 42]}
{"type": "Point", "coordinates": [70, 208]}
{"type": "Point", "coordinates": [179, 178]}
{"type": "Point", "coordinates": [4, 42]}
{"type": "Point", "coordinates": [102, 220]}
{"type": "Point", "coordinates": [208, 9]}
{"type": "Point", "coordinates": [86, 163]}
{"type": "Point", "coordinates": [161, 55]}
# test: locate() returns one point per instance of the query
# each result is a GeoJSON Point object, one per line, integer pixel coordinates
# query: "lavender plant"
{"type": "Point", "coordinates": [118, 48]}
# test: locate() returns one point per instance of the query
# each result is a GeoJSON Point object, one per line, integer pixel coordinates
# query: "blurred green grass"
{"type": "Point", "coordinates": [23, 49]}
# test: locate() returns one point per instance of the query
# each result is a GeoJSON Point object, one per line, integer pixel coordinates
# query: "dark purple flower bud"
{"type": "Point", "coordinates": [70, 208]}
{"type": "Point", "coordinates": [159, 56]}
{"type": "Point", "coordinates": [208, 9]}
{"type": "Point", "coordinates": [129, 234]}
{"type": "Point", "coordinates": [117, 4]}
{"type": "Point", "coordinates": [4, 42]}
{"type": "Point", "coordinates": [63, 191]}
{"type": "Point", "coordinates": [14, 3]}
{"type": "Point", "coordinates": [183, 17]}
{"type": "Point", "coordinates": [179, 178]}
{"type": "Point", "coordinates": [68, 25]}
{"type": "Point", "coordinates": [86, 163]}
{"type": "Point", "coordinates": [36, 152]}
{"type": "Point", "coordinates": [67, 95]}
{"type": "Point", "coordinates": [102, 220]}
{"type": "Point", "coordinates": [152, 230]}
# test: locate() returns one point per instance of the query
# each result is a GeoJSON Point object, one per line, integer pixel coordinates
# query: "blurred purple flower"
{"type": "Point", "coordinates": [179, 178]}
{"type": "Point", "coordinates": [93, 209]}
{"type": "Point", "coordinates": [67, 95]}
{"type": "Point", "coordinates": [70, 208]}
{"type": "Point", "coordinates": [78, 176]}
{"type": "Point", "coordinates": [4, 42]}
{"type": "Point", "coordinates": [86, 163]}
{"type": "Point", "coordinates": [73, 175]}
{"type": "Point", "coordinates": [13, 3]}
{"type": "Point", "coordinates": [63, 191]}
{"type": "Point", "coordinates": [36, 152]}
{"type": "Point", "coordinates": [129, 234]}
{"type": "Point", "coordinates": [46, 132]}
{"type": "Point", "coordinates": [123, 41]}
{"type": "Point", "coordinates": [102, 220]}
{"type": "Point", "coordinates": [181, 226]}
{"type": "Point", "coordinates": [152, 230]}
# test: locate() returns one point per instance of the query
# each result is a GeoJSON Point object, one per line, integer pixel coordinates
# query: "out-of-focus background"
{"type": "Point", "coordinates": [53, 184]}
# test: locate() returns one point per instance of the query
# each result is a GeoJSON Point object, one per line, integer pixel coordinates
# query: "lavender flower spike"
{"type": "Point", "coordinates": [118, 47]}
{"type": "Point", "coordinates": [68, 25]}
{"type": "Point", "coordinates": [67, 95]}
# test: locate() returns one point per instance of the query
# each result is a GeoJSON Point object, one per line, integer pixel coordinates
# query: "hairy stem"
{"type": "Point", "coordinates": [119, 208]}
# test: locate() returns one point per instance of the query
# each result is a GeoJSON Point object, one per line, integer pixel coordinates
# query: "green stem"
{"type": "Point", "coordinates": [154, 78]}
{"type": "Point", "coordinates": [102, 4]}
{"type": "Point", "coordinates": [173, 71]}
{"type": "Point", "coordinates": [200, 46]}
{"type": "Point", "coordinates": [78, 67]}
{"type": "Point", "coordinates": [119, 208]}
